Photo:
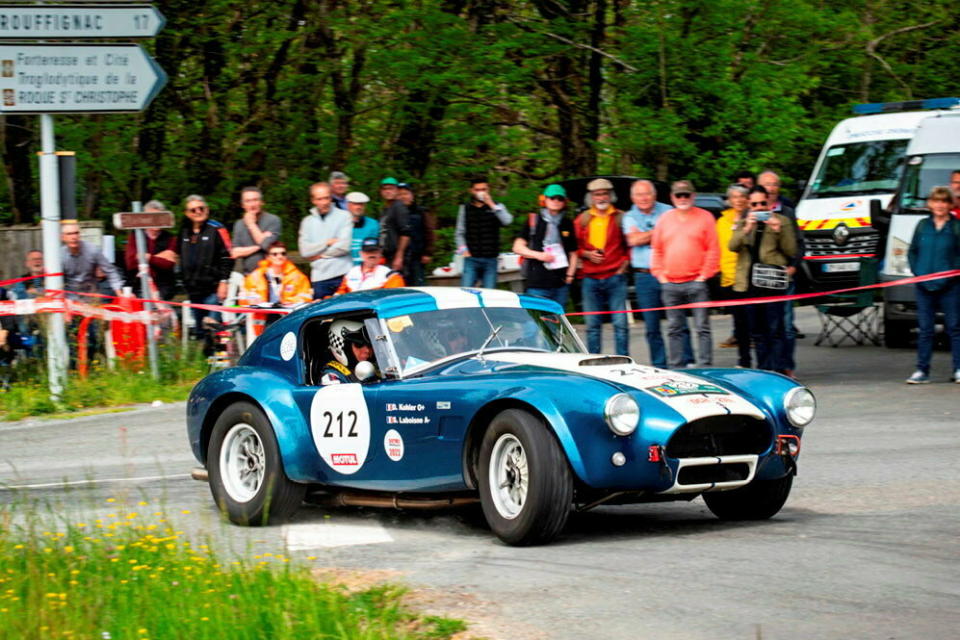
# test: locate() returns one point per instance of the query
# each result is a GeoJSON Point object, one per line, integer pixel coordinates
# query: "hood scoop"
{"type": "Point", "coordinates": [605, 361]}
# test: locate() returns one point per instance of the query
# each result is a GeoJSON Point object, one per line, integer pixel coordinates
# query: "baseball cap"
{"type": "Point", "coordinates": [598, 184]}
{"type": "Point", "coordinates": [387, 181]}
{"type": "Point", "coordinates": [370, 244]}
{"type": "Point", "coordinates": [682, 186]}
{"type": "Point", "coordinates": [553, 190]}
{"type": "Point", "coordinates": [357, 197]}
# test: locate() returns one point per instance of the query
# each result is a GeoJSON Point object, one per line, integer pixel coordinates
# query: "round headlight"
{"type": "Point", "coordinates": [622, 414]}
{"type": "Point", "coordinates": [800, 406]}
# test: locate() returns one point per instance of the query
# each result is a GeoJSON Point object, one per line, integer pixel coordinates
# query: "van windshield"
{"type": "Point", "coordinates": [860, 168]}
{"type": "Point", "coordinates": [923, 174]}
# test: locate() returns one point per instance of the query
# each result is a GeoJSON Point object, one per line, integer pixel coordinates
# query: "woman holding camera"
{"type": "Point", "coordinates": [765, 244]}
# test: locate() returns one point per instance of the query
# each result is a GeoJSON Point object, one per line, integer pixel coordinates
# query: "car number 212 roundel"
{"type": "Point", "coordinates": [341, 426]}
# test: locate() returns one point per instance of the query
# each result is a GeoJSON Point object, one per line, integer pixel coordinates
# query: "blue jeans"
{"type": "Point", "coordinates": [768, 334]}
{"type": "Point", "coordinates": [948, 299]}
{"type": "Point", "coordinates": [558, 294]}
{"type": "Point", "coordinates": [483, 269]}
{"type": "Point", "coordinates": [606, 294]}
{"type": "Point", "coordinates": [200, 314]}
{"type": "Point", "coordinates": [790, 336]}
{"type": "Point", "coordinates": [326, 288]}
{"type": "Point", "coordinates": [677, 293]}
{"type": "Point", "coordinates": [647, 291]}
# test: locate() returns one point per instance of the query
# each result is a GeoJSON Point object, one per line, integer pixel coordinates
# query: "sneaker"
{"type": "Point", "coordinates": [956, 376]}
{"type": "Point", "coordinates": [918, 377]}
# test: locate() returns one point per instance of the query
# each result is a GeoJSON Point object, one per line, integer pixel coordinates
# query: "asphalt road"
{"type": "Point", "coordinates": [868, 546]}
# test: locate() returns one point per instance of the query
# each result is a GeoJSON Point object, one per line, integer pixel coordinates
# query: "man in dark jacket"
{"type": "Point", "coordinates": [205, 263]}
{"type": "Point", "coordinates": [478, 235]}
{"type": "Point", "coordinates": [419, 251]}
{"type": "Point", "coordinates": [548, 245]}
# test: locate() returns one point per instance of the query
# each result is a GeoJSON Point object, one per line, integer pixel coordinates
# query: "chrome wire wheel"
{"type": "Point", "coordinates": [509, 476]}
{"type": "Point", "coordinates": [242, 462]}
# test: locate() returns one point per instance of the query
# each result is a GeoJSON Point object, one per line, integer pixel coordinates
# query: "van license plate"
{"type": "Point", "coordinates": [841, 267]}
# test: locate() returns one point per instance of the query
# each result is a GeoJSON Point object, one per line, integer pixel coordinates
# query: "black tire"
{"type": "Point", "coordinates": [534, 508]}
{"type": "Point", "coordinates": [896, 333]}
{"type": "Point", "coordinates": [759, 500]}
{"type": "Point", "coordinates": [245, 471]}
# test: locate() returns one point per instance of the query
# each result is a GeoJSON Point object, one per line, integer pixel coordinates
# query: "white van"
{"type": "Point", "coordinates": [856, 175]}
{"type": "Point", "coordinates": [932, 155]}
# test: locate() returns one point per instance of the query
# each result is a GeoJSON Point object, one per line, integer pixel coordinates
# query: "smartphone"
{"type": "Point", "coordinates": [761, 216]}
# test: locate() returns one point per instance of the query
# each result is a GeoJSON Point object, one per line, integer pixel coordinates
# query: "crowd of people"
{"type": "Point", "coordinates": [671, 253]}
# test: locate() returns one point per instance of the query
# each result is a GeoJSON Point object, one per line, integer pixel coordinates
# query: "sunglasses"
{"type": "Point", "coordinates": [760, 203]}
{"type": "Point", "coordinates": [560, 198]}
{"type": "Point", "coordinates": [682, 194]}
{"type": "Point", "coordinates": [197, 209]}
{"type": "Point", "coordinates": [277, 253]}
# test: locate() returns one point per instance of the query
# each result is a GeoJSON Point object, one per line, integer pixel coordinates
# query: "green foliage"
{"type": "Point", "coordinates": [279, 93]}
{"type": "Point", "coordinates": [130, 575]}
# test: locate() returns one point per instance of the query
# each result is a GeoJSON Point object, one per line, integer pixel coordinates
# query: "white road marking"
{"type": "Point", "coordinates": [300, 537]}
{"type": "Point", "coordinates": [71, 483]}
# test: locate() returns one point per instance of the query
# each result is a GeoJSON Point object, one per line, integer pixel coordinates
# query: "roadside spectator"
{"type": "Point", "coordinates": [419, 251]}
{"type": "Point", "coordinates": [161, 249]}
{"type": "Point", "coordinates": [35, 286]}
{"type": "Point", "coordinates": [638, 225]}
{"type": "Point", "coordinates": [205, 263]}
{"type": "Point", "coordinates": [254, 232]}
{"type": "Point", "coordinates": [81, 260]}
{"type": "Point", "coordinates": [548, 245]}
{"type": "Point", "coordinates": [478, 235]}
{"type": "Point", "coordinates": [604, 249]}
{"type": "Point", "coordinates": [955, 189]}
{"type": "Point", "coordinates": [363, 227]}
{"type": "Point", "coordinates": [339, 185]}
{"type": "Point", "coordinates": [324, 240]}
{"type": "Point", "coordinates": [763, 237]}
{"type": "Point", "coordinates": [737, 198]}
{"type": "Point", "coordinates": [394, 225]}
{"type": "Point", "coordinates": [685, 255]}
{"type": "Point", "coordinates": [276, 281]}
{"type": "Point", "coordinates": [770, 181]}
{"type": "Point", "coordinates": [370, 274]}
{"type": "Point", "coordinates": [936, 247]}
{"type": "Point", "coordinates": [745, 178]}
{"type": "Point", "coordinates": [9, 342]}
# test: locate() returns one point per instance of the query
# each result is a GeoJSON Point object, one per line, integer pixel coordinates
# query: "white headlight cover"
{"type": "Point", "coordinates": [622, 414]}
{"type": "Point", "coordinates": [800, 406]}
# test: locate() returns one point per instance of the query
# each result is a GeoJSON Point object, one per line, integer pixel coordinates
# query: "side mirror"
{"type": "Point", "coordinates": [364, 371]}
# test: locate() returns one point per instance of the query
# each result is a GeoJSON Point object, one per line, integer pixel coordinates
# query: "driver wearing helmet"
{"type": "Point", "coordinates": [349, 345]}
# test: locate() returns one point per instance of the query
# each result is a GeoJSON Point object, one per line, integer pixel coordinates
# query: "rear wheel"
{"type": "Point", "coordinates": [759, 500]}
{"type": "Point", "coordinates": [245, 471]}
{"type": "Point", "coordinates": [526, 487]}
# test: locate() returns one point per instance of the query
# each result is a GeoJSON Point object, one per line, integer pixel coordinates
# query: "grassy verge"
{"type": "Point", "coordinates": [29, 394]}
{"type": "Point", "coordinates": [135, 577]}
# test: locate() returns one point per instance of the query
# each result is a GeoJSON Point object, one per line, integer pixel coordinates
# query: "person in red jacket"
{"type": "Point", "coordinates": [161, 257]}
{"type": "Point", "coordinates": [604, 261]}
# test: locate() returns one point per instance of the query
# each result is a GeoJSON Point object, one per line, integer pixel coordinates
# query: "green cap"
{"type": "Point", "coordinates": [554, 190]}
{"type": "Point", "coordinates": [392, 181]}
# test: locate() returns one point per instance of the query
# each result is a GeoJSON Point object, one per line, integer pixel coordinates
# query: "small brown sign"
{"type": "Point", "coordinates": [145, 220]}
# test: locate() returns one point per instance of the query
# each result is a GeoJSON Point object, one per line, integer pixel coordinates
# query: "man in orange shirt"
{"type": "Point", "coordinates": [685, 255]}
{"type": "Point", "coordinates": [604, 261]}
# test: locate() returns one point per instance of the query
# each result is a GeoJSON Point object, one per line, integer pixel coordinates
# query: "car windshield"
{"type": "Point", "coordinates": [923, 174]}
{"type": "Point", "coordinates": [420, 339]}
{"type": "Point", "coordinates": [860, 168]}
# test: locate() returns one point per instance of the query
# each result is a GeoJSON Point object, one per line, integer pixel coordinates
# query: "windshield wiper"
{"type": "Point", "coordinates": [486, 343]}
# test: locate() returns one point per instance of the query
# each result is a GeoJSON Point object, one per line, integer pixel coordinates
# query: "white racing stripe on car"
{"type": "Point", "coordinates": [677, 390]}
{"type": "Point", "coordinates": [299, 537]}
{"type": "Point", "coordinates": [498, 298]}
{"type": "Point", "coordinates": [450, 297]}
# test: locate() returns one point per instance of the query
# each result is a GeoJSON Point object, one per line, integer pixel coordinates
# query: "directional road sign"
{"type": "Point", "coordinates": [76, 78]}
{"type": "Point", "coordinates": [50, 21]}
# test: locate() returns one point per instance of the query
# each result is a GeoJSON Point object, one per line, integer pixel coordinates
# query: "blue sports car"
{"type": "Point", "coordinates": [433, 397]}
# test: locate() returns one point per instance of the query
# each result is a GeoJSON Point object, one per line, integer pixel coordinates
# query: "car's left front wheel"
{"type": "Point", "coordinates": [245, 471]}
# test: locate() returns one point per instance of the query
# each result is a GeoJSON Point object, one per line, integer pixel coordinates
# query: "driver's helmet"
{"type": "Point", "coordinates": [343, 332]}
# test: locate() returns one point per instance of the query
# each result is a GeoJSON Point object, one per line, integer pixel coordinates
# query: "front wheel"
{"type": "Point", "coordinates": [246, 475]}
{"type": "Point", "coordinates": [526, 487]}
{"type": "Point", "coordinates": [759, 500]}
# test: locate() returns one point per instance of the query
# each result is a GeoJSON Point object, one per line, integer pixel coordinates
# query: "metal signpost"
{"type": "Point", "coordinates": [52, 78]}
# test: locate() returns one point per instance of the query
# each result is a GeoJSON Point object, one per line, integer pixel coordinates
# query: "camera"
{"type": "Point", "coordinates": [762, 216]}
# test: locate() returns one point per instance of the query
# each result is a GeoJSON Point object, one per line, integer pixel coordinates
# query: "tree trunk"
{"type": "Point", "coordinates": [18, 136]}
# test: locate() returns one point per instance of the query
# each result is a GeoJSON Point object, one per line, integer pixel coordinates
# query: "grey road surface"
{"type": "Point", "coordinates": [868, 546]}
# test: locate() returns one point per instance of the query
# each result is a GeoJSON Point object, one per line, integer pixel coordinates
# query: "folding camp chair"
{"type": "Point", "coordinates": [852, 316]}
